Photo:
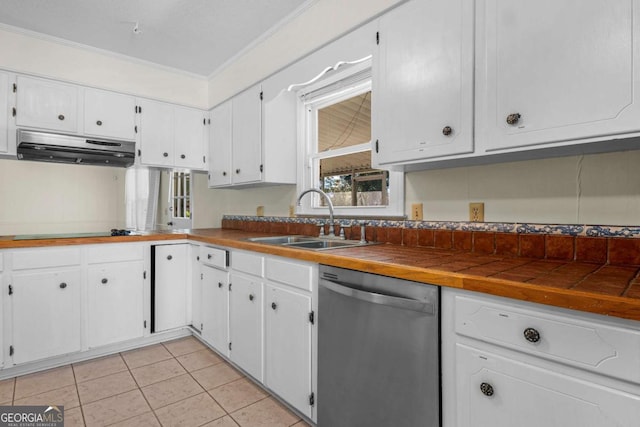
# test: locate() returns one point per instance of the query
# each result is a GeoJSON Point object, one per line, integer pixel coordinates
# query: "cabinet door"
{"type": "Point", "coordinates": [115, 303]}
{"type": "Point", "coordinates": [215, 308]}
{"type": "Point", "coordinates": [288, 346]}
{"type": "Point", "coordinates": [4, 112]}
{"type": "Point", "coordinates": [423, 81]}
{"type": "Point", "coordinates": [47, 105]}
{"type": "Point", "coordinates": [555, 71]}
{"type": "Point", "coordinates": [156, 133]}
{"type": "Point", "coordinates": [245, 323]}
{"type": "Point", "coordinates": [189, 138]}
{"type": "Point", "coordinates": [170, 287]}
{"type": "Point", "coordinates": [247, 136]}
{"type": "Point", "coordinates": [220, 145]}
{"type": "Point", "coordinates": [500, 392]}
{"type": "Point", "coordinates": [109, 114]}
{"type": "Point", "coordinates": [46, 314]}
{"type": "Point", "coordinates": [197, 277]}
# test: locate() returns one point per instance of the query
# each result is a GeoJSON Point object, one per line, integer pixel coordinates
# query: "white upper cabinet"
{"type": "Point", "coordinates": [253, 141]}
{"type": "Point", "coordinates": [156, 133]}
{"type": "Point", "coordinates": [220, 145]}
{"type": "Point", "coordinates": [552, 72]}
{"type": "Point", "coordinates": [109, 114]}
{"type": "Point", "coordinates": [171, 136]}
{"type": "Point", "coordinates": [190, 138]}
{"type": "Point", "coordinates": [246, 150]}
{"type": "Point", "coordinates": [46, 104]}
{"type": "Point", "coordinates": [423, 82]}
{"type": "Point", "coordinates": [5, 111]}
{"type": "Point", "coordinates": [279, 137]}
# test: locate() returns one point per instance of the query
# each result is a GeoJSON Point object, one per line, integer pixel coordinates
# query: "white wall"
{"type": "Point", "coordinates": [591, 189]}
{"type": "Point", "coordinates": [321, 23]}
{"type": "Point", "coordinates": [211, 205]}
{"type": "Point", "coordinates": [57, 198]}
{"type": "Point", "coordinates": [32, 55]}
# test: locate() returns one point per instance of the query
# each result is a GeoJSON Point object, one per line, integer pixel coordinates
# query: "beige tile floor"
{"type": "Point", "coordinates": [176, 383]}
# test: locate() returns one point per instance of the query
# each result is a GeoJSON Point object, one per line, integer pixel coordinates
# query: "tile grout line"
{"type": "Point", "coordinates": [75, 381]}
{"type": "Point", "coordinates": [140, 390]}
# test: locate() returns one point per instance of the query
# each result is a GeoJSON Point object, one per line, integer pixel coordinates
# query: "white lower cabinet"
{"type": "Point", "coordinates": [46, 318]}
{"type": "Point", "coordinates": [215, 308]}
{"type": "Point", "coordinates": [495, 391]}
{"type": "Point", "coordinates": [196, 288]}
{"type": "Point", "coordinates": [507, 363]}
{"type": "Point", "coordinates": [290, 338]}
{"type": "Point", "coordinates": [288, 345]}
{"type": "Point", "coordinates": [245, 323]}
{"type": "Point", "coordinates": [170, 287]}
{"type": "Point", "coordinates": [114, 303]}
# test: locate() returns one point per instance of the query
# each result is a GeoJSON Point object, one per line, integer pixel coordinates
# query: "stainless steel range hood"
{"type": "Point", "coordinates": [51, 147]}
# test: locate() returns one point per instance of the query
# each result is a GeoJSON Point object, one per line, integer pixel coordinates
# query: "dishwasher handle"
{"type": "Point", "coordinates": [376, 298]}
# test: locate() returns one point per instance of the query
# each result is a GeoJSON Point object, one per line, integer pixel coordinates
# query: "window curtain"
{"type": "Point", "coordinates": [142, 189]}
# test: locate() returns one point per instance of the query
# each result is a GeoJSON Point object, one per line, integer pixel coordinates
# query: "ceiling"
{"type": "Point", "coordinates": [196, 36]}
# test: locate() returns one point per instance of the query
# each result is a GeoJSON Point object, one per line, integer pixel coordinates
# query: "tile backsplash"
{"type": "Point", "coordinates": [617, 245]}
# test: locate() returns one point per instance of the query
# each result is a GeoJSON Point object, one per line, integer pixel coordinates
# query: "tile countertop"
{"type": "Point", "coordinates": [590, 287]}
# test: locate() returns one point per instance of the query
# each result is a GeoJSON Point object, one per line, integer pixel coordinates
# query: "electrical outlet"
{"type": "Point", "coordinates": [260, 211]}
{"type": "Point", "coordinates": [292, 211]}
{"type": "Point", "coordinates": [476, 212]}
{"type": "Point", "coordinates": [416, 211]}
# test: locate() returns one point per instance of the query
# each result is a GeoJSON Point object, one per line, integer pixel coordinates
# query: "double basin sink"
{"type": "Point", "coordinates": [312, 243]}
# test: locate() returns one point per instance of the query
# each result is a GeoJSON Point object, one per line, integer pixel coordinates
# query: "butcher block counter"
{"type": "Point", "coordinates": [612, 290]}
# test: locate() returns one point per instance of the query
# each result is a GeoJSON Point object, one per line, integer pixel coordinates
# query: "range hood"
{"type": "Point", "coordinates": [52, 147]}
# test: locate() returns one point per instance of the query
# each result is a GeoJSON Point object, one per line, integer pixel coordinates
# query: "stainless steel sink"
{"type": "Point", "coordinates": [281, 240]}
{"type": "Point", "coordinates": [312, 243]}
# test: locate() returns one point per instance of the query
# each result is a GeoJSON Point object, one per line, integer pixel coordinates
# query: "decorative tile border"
{"type": "Point", "coordinates": [496, 227]}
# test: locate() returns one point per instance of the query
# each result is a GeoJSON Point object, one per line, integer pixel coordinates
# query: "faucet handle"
{"type": "Point", "coordinates": [321, 230]}
{"type": "Point", "coordinates": [362, 233]}
{"type": "Point", "coordinates": [342, 233]}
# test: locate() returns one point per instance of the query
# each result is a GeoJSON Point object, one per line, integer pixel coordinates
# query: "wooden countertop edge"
{"type": "Point", "coordinates": [622, 307]}
{"type": "Point", "coordinates": [7, 242]}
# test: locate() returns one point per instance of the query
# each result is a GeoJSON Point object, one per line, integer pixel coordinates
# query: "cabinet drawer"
{"type": "Point", "coordinates": [115, 253]}
{"type": "Point", "coordinates": [45, 258]}
{"type": "Point", "coordinates": [248, 263]}
{"type": "Point", "coordinates": [290, 273]}
{"type": "Point", "coordinates": [214, 257]}
{"type": "Point", "coordinates": [577, 342]}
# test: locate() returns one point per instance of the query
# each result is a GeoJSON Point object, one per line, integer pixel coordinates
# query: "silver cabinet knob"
{"type": "Point", "coordinates": [61, 117]}
{"type": "Point", "coordinates": [446, 131]}
{"type": "Point", "coordinates": [169, 257]}
{"type": "Point", "coordinates": [165, 154]}
{"type": "Point", "coordinates": [104, 281]}
{"type": "Point", "coordinates": [63, 285]}
{"type": "Point", "coordinates": [99, 122]}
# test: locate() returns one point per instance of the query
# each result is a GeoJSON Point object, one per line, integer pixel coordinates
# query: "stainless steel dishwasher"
{"type": "Point", "coordinates": [378, 351]}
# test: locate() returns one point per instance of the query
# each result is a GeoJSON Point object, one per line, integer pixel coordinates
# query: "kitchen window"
{"type": "Point", "coordinates": [337, 149]}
